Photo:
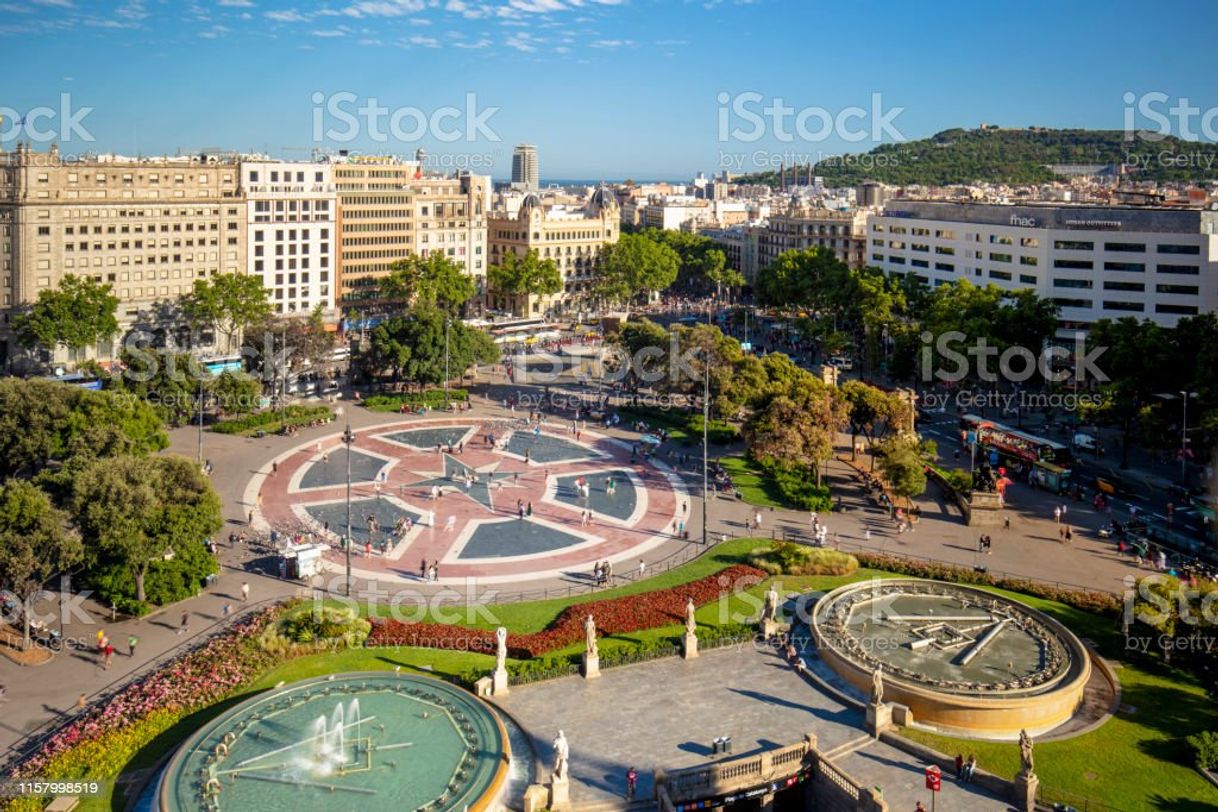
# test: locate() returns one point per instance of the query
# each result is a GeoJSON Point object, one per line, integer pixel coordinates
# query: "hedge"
{"type": "Point", "coordinates": [431, 398]}
{"type": "Point", "coordinates": [297, 415]}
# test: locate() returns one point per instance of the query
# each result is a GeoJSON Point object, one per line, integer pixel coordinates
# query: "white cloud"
{"type": "Point", "coordinates": [521, 42]}
{"type": "Point", "coordinates": [424, 42]}
{"type": "Point", "coordinates": [612, 43]}
{"type": "Point", "coordinates": [538, 6]}
{"type": "Point", "coordinates": [215, 32]}
{"type": "Point", "coordinates": [329, 32]}
{"type": "Point", "coordinates": [236, 3]}
{"type": "Point", "coordinates": [385, 8]}
{"type": "Point", "coordinates": [473, 46]}
{"type": "Point", "coordinates": [288, 16]}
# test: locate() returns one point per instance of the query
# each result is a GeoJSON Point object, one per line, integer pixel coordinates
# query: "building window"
{"type": "Point", "coordinates": [1082, 284]}
{"type": "Point", "coordinates": [1073, 245]}
{"type": "Point", "coordinates": [1180, 249]}
{"type": "Point", "coordinates": [1125, 267]}
{"type": "Point", "coordinates": [1177, 290]}
{"type": "Point", "coordinates": [1135, 287]}
{"type": "Point", "coordinates": [1183, 270]}
{"type": "Point", "coordinates": [1126, 247]}
{"type": "Point", "coordinates": [1079, 264]}
{"type": "Point", "coordinates": [1125, 307]}
{"type": "Point", "coordinates": [1176, 310]}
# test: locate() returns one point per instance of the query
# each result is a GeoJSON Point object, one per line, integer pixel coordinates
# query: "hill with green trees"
{"type": "Point", "coordinates": [1010, 156]}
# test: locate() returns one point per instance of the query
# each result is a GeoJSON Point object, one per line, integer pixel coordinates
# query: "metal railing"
{"type": "Point", "coordinates": [1061, 801]}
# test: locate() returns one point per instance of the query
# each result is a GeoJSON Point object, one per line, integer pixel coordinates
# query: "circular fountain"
{"type": "Point", "coordinates": [370, 741]}
{"type": "Point", "coordinates": [960, 659]}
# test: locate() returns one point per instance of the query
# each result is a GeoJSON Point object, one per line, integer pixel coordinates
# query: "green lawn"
{"type": "Point", "coordinates": [756, 486]}
{"type": "Point", "coordinates": [1135, 761]}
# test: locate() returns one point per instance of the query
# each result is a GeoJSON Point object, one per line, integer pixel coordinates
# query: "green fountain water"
{"type": "Point", "coordinates": [366, 741]}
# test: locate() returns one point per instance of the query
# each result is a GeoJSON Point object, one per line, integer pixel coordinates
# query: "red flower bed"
{"type": "Point", "coordinates": [630, 613]}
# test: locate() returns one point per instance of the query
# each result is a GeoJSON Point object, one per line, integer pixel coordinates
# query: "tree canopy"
{"type": "Point", "coordinates": [527, 276]}
{"type": "Point", "coordinates": [35, 543]}
{"type": "Point", "coordinates": [77, 314]}
{"type": "Point", "coordinates": [136, 511]}
{"type": "Point", "coordinates": [634, 267]}
{"type": "Point", "coordinates": [434, 281]}
{"type": "Point", "coordinates": [411, 347]}
{"type": "Point", "coordinates": [228, 302]}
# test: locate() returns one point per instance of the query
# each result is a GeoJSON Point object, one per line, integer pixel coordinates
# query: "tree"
{"type": "Point", "coordinates": [44, 422]}
{"type": "Point", "coordinates": [34, 543]}
{"type": "Point", "coordinates": [644, 352]}
{"type": "Point", "coordinates": [234, 392]}
{"type": "Point", "coordinates": [634, 266]}
{"type": "Point", "coordinates": [412, 347]}
{"type": "Point", "coordinates": [529, 276]}
{"type": "Point", "coordinates": [77, 314]}
{"type": "Point", "coordinates": [229, 302]}
{"type": "Point", "coordinates": [134, 511]}
{"type": "Point", "coordinates": [309, 345]}
{"type": "Point", "coordinates": [434, 281]}
{"type": "Point", "coordinates": [873, 412]}
{"type": "Point", "coordinates": [795, 426]}
{"type": "Point", "coordinates": [903, 463]}
{"type": "Point", "coordinates": [1141, 358]}
{"type": "Point", "coordinates": [813, 278]}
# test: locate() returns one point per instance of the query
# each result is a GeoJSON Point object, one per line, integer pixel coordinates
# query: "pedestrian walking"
{"type": "Point", "coordinates": [959, 765]}
{"type": "Point", "coordinates": [245, 590]}
{"type": "Point", "coordinates": [632, 781]}
{"type": "Point", "coordinates": [185, 625]}
{"type": "Point", "coordinates": [227, 610]}
{"type": "Point", "coordinates": [107, 656]}
{"type": "Point", "coordinates": [642, 568]}
{"type": "Point", "coordinates": [132, 642]}
{"type": "Point", "coordinates": [81, 702]}
{"type": "Point", "coordinates": [1057, 515]}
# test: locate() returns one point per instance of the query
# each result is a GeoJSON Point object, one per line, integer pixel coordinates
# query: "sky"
{"type": "Point", "coordinates": [604, 88]}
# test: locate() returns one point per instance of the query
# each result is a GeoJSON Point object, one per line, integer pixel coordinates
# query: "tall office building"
{"type": "Point", "coordinates": [524, 168]}
{"type": "Point", "coordinates": [148, 227]}
{"type": "Point", "coordinates": [389, 209]}
{"type": "Point", "coordinates": [292, 217]}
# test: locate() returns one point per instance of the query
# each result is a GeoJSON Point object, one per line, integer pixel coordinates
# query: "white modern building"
{"type": "Point", "coordinates": [292, 233]}
{"type": "Point", "coordinates": [1096, 262]}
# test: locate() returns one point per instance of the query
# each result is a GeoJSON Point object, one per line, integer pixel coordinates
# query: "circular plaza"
{"type": "Point", "coordinates": [452, 499]}
{"type": "Point", "coordinates": [960, 659]}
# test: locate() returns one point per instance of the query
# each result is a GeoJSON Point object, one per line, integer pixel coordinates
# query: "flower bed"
{"type": "Point", "coordinates": [630, 613]}
{"type": "Point", "coordinates": [99, 742]}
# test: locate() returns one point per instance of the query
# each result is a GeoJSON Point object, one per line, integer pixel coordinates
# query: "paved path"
{"type": "Point", "coordinates": [664, 714]}
{"type": "Point", "coordinates": [37, 696]}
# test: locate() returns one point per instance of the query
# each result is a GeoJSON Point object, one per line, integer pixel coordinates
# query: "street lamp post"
{"type": "Point", "coordinates": [200, 373]}
{"type": "Point", "coordinates": [1184, 438]}
{"type": "Point", "coordinates": [446, 321]}
{"type": "Point", "coordinates": [348, 440]}
{"type": "Point", "coordinates": [705, 446]}
{"type": "Point", "coordinates": [283, 399]}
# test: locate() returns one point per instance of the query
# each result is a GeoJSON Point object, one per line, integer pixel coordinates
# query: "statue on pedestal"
{"type": "Point", "coordinates": [501, 648]}
{"type": "Point", "coordinates": [590, 637]}
{"type": "Point", "coordinates": [770, 610]}
{"type": "Point", "coordinates": [691, 624]}
{"type": "Point", "coordinates": [1025, 753]}
{"type": "Point", "coordinates": [562, 755]}
{"type": "Point", "coordinates": [877, 686]}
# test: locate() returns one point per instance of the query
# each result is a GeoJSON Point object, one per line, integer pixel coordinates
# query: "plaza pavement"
{"type": "Point", "coordinates": [665, 714]}
{"type": "Point", "coordinates": [42, 695]}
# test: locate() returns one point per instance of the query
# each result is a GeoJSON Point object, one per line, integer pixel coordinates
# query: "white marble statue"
{"type": "Point", "coordinates": [590, 637]}
{"type": "Point", "coordinates": [500, 648]}
{"type": "Point", "coordinates": [562, 755]}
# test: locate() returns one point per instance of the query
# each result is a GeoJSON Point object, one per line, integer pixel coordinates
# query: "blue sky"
{"type": "Point", "coordinates": [604, 88]}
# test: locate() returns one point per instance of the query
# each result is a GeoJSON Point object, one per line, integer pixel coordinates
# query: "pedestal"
{"type": "Point", "coordinates": [592, 666]}
{"type": "Point", "coordinates": [690, 649]}
{"type": "Point", "coordinates": [560, 794]}
{"type": "Point", "coordinates": [1025, 785]}
{"type": "Point", "coordinates": [499, 682]}
{"type": "Point", "coordinates": [770, 628]}
{"type": "Point", "coordinates": [879, 718]}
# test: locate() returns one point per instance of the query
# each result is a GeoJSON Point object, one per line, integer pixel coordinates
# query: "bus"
{"type": "Point", "coordinates": [225, 363]}
{"type": "Point", "coordinates": [1014, 444]}
{"type": "Point", "coordinates": [524, 331]}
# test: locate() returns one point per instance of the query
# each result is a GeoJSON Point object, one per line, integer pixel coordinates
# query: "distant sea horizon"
{"type": "Point", "coordinates": [545, 182]}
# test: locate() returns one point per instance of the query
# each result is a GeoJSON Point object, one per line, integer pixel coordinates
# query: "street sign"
{"type": "Point", "coordinates": [934, 778]}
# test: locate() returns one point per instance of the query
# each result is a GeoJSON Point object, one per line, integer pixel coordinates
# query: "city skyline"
{"type": "Point", "coordinates": [604, 88]}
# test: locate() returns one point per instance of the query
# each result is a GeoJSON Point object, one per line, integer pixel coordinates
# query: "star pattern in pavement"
{"type": "Point", "coordinates": [453, 480]}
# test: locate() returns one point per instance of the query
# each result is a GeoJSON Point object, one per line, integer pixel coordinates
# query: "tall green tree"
{"type": "Point", "coordinates": [135, 511]}
{"type": "Point", "coordinates": [44, 422]}
{"type": "Point", "coordinates": [77, 314]}
{"type": "Point", "coordinates": [1139, 363]}
{"type": "Point", "coordinates": [813, 278]}
{"type": "Point", "coordinates": [434, 281]}
{"type": "Point", "coordinates": [873, 412]}
{"type": "Point", "coordinates": [35, 543]}
{"type": "Point", "coordinates": [411, 348]}
{"type": "Point", "coordinates": [527, 276]}
{"type": "Point", "coordinates": [227, 302]}
{"type": "Point", "coordinates": [634, 267]}
{"type": "Point", "coordinates": [796, 425]}
{"type": "Point", "coordinates": [903, 462]}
